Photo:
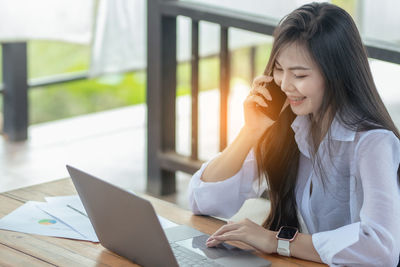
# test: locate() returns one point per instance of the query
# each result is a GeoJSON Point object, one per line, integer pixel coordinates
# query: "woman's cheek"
{"type": "Point", "coordinates": [277, 79]}
{"type": "Point", "coordinates": [304, 87]}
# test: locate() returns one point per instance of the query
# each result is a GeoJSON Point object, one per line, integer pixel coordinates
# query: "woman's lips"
{"type": "Point", "coordinates": [296, 101]}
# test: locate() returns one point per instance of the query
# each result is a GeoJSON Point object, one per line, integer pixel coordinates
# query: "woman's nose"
{"type": "Point", "coordinates": [285, 84]}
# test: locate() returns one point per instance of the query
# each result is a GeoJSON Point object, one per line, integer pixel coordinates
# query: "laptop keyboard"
{"type": "Point", "coordinates": [186, 257]}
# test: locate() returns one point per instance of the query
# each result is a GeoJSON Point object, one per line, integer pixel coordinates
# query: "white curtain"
{"type": "Point", "coordinates": [385, 22]}
{"type": "Point", "coordinates": [61, 20]}
{"type": "Point", "coordinates": [120, 37]}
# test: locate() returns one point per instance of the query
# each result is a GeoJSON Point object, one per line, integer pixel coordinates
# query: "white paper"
{"type": "Point", "coordinates": [30, 219]}
{"type": "Point", "coordinates": [74, 201]}
{"type": "Point", "coordinates": [165, 223]}
{"type": "Point", "coordinates": [75, 220]}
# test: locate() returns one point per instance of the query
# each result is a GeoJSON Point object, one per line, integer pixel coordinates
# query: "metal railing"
{"type": "Point", "coordinates": [16, 85]}
{"type": "Point", "coordinates": [162, 159]}
{"type": "Point", "coordinates": [15, 89]}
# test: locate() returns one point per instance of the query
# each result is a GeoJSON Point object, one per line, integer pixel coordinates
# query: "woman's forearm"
{"type": "Point", "coordinates": [231, 159]}
{"type": "Point", "coordinates": [302, 247]}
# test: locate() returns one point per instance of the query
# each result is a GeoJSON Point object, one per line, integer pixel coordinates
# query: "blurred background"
{"type": "Point", "coordinates": [95, 115]}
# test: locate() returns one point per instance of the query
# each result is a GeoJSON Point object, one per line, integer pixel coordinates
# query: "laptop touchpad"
{"type": "Point", "coordinates": [198, 245]}
{"type": "Point", "coordinates": [181, 232]}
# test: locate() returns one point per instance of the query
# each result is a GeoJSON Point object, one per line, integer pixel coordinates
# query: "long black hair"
{"type": "Point", "coordinates": [331, 37]}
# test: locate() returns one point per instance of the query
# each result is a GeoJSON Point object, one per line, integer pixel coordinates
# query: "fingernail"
{"type": "Point", "coordinates": [210, 244]}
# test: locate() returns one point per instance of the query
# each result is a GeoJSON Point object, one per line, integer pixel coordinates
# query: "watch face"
{"type": "Point", "coordinates": [287, 232]}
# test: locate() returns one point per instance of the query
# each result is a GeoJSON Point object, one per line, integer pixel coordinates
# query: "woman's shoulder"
{"type": "Point", "coordinates": [377, 137]}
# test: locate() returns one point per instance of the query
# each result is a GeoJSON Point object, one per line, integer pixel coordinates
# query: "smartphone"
{"type": "Point", "coordinates": [275, 105]}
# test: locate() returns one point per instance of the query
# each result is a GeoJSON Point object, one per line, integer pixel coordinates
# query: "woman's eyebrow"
{"type": "Point", "coordinates": [294, 67]}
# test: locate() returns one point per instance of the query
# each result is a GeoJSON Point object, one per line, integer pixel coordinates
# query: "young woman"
{"type": "Point", "coordinates": [330, 162]}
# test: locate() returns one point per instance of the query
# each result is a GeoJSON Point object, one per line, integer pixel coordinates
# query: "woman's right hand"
{"type": "Point", "coordinates": [231, 160]}
{"type": "Point", "coordinates": [255, 120]}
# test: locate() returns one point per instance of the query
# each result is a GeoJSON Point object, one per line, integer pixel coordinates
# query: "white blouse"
{"type": "Point", "coordinates": [353, 215]}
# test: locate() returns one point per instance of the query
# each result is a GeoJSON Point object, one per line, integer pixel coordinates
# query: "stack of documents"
{"type": "Point", "coordinates": [60, 217]}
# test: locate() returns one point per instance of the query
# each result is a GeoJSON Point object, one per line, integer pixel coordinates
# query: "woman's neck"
{"type": "Point", "coordinates": [320, 126]}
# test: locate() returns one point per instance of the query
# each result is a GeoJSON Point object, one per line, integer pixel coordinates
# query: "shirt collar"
{"type": "Point", "coordinates": [340, 132]}
{"type": "Point", "coordinates": [301, 127]}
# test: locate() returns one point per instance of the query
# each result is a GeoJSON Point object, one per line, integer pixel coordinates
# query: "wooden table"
{"type": "Point", "coordinates": [19, 249]}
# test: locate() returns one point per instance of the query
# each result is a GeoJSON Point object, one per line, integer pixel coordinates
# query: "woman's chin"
{"type": "Point", "coordinates": [299, 112]}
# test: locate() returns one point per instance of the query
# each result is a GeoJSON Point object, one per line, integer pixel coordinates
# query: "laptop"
{"type": "Point", "coordinates": [128, 225]}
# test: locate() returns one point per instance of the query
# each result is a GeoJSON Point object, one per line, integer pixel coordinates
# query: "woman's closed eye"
{"type": "Point", "coordinates": [279, 69]}
{"type": "Point", "coordinates": [300, 76]}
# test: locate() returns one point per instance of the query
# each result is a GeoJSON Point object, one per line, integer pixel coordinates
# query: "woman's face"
{"type": "Point", "coordinates": [300, 79]}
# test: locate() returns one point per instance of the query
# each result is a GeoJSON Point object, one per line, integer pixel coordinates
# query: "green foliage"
{"type": "Point", "coordinates": [86, 96]}
{"type": "Point", "coordinates": [262, 57]}
{"type": "Point", "coordinates": [348, 5]}
{"type": "Point", "coordinates": [1, 65]}
{"type": "Point", "coordinates": [80, 97]}
{"type": "Point", "coordinates": [46, 58]}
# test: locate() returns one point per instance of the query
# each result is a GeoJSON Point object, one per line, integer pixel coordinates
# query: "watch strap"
{"type": "Point", "coordinates": [283, 248]}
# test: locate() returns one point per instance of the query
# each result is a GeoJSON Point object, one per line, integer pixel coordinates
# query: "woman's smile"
{"type": "Point", "coordinates": [296, 101]}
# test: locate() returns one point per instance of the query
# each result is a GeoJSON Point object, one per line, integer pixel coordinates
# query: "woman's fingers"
{"type": "Point", "coordinates": [226, 228]}
{"type": "Point", "coordinates": [229, 231]}
{"type": "Point", "coordinates": [245, 231]}
{"type": "Point", "coordinates": [213, 243]}
{"type": "Point", "coordinates": [262, 80]}
{"type": "Point", "coordinates": [262, 90]}
{"type": "Point", "coordinates": [256, 99]}
{"type": "Point", "coordinates": [230, 236]}
{"type": "Point", "coordinates": [259, 86]}
{"type": "Point", "coordinates": [234, 235]}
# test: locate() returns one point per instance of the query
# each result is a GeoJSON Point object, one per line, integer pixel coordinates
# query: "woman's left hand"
{"type": "Point", "coordinates": [247, 232]}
